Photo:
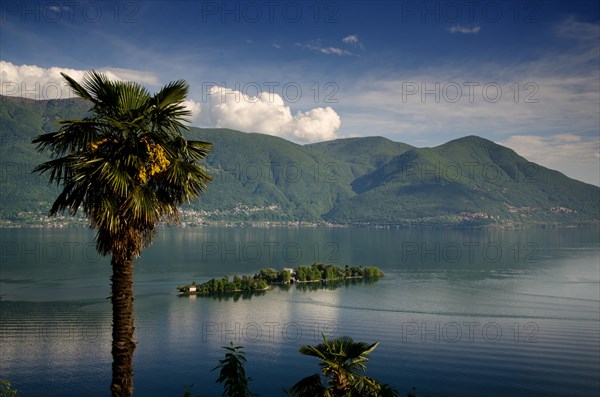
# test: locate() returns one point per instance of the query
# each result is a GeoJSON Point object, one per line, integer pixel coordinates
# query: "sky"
{"type": "Point", "coordinates": [524, 74]}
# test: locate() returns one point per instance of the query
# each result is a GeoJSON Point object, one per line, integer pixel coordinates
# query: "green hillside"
{"type": "Point", "coordinates": [261, 170]}
{"type": "Point", "coordinates": [21, 120]}
{"type": "Point", "coordinates": [466, 182]}
{"type": "Point", "coordinates": [363, 154]}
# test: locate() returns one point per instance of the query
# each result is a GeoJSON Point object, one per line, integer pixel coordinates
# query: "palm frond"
{"type": "Point", "coordinates": [133, 100]}
{"type": "Point", "coordinates": [74, 135]}
{"type": "Point", "coordinates": [77, 88]}
{"type": "Point", "coordinates": [172, 94]}
{"type": "Point", "coordinates": [311, 386]}
{"type": "Point", "coordinates": [127, 164]}
{"type": "Point", "coordinates": [102, 91]}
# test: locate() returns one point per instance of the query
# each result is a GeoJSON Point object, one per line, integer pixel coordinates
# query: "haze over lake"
{"type": "Point", "coordinates": [466, 313]}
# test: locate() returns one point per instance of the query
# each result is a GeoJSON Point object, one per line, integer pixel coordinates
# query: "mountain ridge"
{"type": "Point", "coordinates": [469, 181]}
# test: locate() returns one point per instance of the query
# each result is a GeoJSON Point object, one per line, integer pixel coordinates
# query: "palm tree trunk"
{"type": "Point", "coordinates": [123, 343]}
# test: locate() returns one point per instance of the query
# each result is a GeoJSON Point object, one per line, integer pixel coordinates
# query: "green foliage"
{"type": "Point", "coordinates": [128, 167]}
{"type": "Point", "coordinates": [309, 273]}
{"type": "Point", "coordinates": [224, 286]}
{"type": "Point", "coordinates": [284, 277]}
{"type": "Point", "coordinates": [268, 276]}
{"type": "Point", "coordinates": [6, 389]}
{"type": "Point", "coordinates": [343, 364]}
{"type": "Point", "coordinates": [469, 182]}
{"type": "Point", "coordinates": [126, 164]}
{"type": "Point", "coordinates": [363, 154]}
{"type": "Point", "coordinates": [232, 374]}
{"type": "Point", "coordinates": [321, 271]}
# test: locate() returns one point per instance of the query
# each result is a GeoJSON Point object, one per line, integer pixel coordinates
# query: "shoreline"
{"type": "Point", "coordinates": [323, 225]}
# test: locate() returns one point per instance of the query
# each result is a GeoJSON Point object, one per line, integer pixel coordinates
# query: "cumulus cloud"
{"type": "Point", "coordinates": [319, 124]}
{"type": "Point", "coordinates": [465, 29]}
{"type": "Point", "coordinates": [195, 108]}
{"type": "Point", "coordinates": [34, 82]}
{"type": "Point", "coordinates": [267, 113]}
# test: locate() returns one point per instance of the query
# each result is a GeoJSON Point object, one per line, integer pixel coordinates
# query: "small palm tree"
{"type": "Point", "coordinates": [343, 366]}
{"type": "Point", "coordinates": [233, 374]}
{"type": "Point", "coordinates": [128, 167]}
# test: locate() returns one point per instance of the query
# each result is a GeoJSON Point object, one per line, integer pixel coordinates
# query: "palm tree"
{"type": "Point", "coordinates": [343, 365]}
{"type": "Point", "coordinates": [128, 167]}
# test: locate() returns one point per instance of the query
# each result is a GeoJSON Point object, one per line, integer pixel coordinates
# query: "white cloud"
{"type": "Point", "coordinates": [267, 113]}
{"type": "Point", "coordinates": [548, 111]}
{"type": "Point", "coordinates": [556, 91]}
{"type": "Point", "coordinates": [195, 108]}
{"type": "Point", "coordinates": [334, 50]}
{"type": "Point", "coordinates": [318, 124]}
{"type": "Point", "coordinates": [465, 29]}
{"type": "Point", "coordinates": [351, 39]}
{"type": "Point", "coordinates": [575, 155]}
{"type": "Point", "coordinates": [39, 83]}
{"type": "Point", "coordinates": [138, 76]}
{"type": "Point", "coordinates": [317, 46]}
{"type": "Point", "coordinates": [572, 28]}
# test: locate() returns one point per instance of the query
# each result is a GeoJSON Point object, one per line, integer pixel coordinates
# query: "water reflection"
{"type": "Point", "coordinates": [55, 328]}
{"type": "Point", "coordinates": [235, 296]}
{"type": "Point", "coordinates": [335, 284]}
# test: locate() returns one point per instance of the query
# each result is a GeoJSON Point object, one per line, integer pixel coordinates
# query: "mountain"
{"type": "Point", "coordinates": [21, 120]}
{"type": "Point", "coordinates": [466, 181]}
{"type": "Point", "coordinates": [363, 154]}
{"type": "Point", "coordinates": [469, 181]}
{"type": "Point", "coordinates": [261, 171]}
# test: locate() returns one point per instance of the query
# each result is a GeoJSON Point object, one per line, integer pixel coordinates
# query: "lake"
{"type": "Point", "coordinates": [458, 313]}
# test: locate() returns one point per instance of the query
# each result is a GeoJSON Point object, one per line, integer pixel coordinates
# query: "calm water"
{"type": "Point", "coordinates": [458, 313]}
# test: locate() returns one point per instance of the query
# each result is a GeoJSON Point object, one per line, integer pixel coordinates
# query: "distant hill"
{"type": "Point", "coordinates": [469, 181]}
{"type": "Point", "coordinates": [466, 182]}
{"type": "Point", "coordinates": [363, 154]}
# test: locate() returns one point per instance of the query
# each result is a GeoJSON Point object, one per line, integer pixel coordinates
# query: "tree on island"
{"type": "Point", "coordinates": [128, 166]}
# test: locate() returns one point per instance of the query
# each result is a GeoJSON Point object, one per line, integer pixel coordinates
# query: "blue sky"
{"type": "Point", "coordinates": [525, 74]}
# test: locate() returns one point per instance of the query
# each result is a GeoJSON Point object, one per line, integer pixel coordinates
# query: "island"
{"type": "Point", "coordinates": [315, 273]}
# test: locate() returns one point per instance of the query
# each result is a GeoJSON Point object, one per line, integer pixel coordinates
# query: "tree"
{"type": "Point", "coordinates": [268, 274]}
{"type": "Point", "coordinates": [6, 389]}
{"type": "Point", "coordinates": [233, 373]}
{"type": "Point", "coordinates": [128, 166]}
{"type": "Point", "coordinates": [343, 366]}
{"type": "Point", "coordinates": [284, 276]}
